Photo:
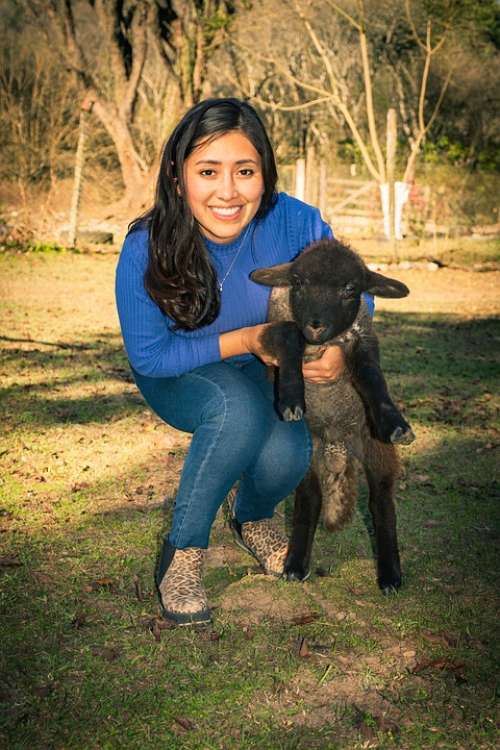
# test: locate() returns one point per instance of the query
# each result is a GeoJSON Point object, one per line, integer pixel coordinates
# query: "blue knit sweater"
{"type": "Point", "coordinates": [153, 348]}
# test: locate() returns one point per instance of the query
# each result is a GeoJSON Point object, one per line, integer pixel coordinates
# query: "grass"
{"type": "Point", "coordinates": [86, 485]}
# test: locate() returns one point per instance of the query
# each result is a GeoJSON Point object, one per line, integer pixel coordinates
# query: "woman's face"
{"type": "Point", "coordinates": [224, 185]}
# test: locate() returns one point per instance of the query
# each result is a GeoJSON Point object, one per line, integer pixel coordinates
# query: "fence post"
{"type": "Point", "coordinates": [323, 188]}
{"type": "Point", "coordinates": [300, 179]}
{"type": "Point", "coordinates": [311, 176]}
{"type": "Point", "coordinates": [77, 180]}
{"type": "Point", "coordinates": [391, 162]}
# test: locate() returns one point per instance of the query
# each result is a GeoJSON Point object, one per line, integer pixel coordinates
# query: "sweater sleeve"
{"type": "Point", "coordinates": [153, 349]}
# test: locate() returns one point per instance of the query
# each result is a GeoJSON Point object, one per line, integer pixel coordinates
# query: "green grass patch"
{"type": "Point", "coordinates": [86, 488]}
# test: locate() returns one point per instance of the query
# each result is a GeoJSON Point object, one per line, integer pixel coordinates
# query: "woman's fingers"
{"type": "Point", "coordinates": [328, 367]}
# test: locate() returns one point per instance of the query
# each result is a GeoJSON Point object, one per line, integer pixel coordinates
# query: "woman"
{"type": "Point", "coordinates": [191, 321]}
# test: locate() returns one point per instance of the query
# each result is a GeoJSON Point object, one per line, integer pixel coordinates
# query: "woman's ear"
{"type": "Point", "coordinates": [383, 286]}
{"type": "Point", "coordinates": [274, 276]}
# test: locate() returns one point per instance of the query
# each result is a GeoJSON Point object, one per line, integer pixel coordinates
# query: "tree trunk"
{"type": "Point", "coordinates": [133, 169]}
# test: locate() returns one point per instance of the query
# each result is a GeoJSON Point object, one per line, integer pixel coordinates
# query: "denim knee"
{"type": "Point", "coordinates": [244, 419]}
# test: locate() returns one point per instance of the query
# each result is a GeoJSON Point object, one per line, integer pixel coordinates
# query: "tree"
{"type": "Point", "coordinates": [37, 118]}
{"type": "Point", "coordinates": [108, 44]}
{"type": "Point", "coordinates": [327, 82]}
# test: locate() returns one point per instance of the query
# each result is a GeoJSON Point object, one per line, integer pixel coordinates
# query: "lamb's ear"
{"type": "Point", "coordinates": [382, 286]}
{"type": "Point", "coordinates": [274, 276]}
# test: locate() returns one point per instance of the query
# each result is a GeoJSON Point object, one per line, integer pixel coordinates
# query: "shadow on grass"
{"type": "Point", "coordinates": [76, 646]}
{"type": "Point", "coordinates": [429, 361]}
{"type": "Point", "coordinates": [72, 365]}
{"type": "Point", "coordinates": [77, 653]}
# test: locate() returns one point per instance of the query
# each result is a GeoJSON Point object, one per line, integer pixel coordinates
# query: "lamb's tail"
{"type": "Point", "coordinates": [339, 486]}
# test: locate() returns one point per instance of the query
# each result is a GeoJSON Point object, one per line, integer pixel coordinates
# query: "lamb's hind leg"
{"type": "Point", "coordinates": [381, 469]}
{"type": "Point", "coordinates": [305, 519]}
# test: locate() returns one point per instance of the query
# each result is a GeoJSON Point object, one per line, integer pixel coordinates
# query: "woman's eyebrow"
{"type": "Point", "coordinates": [214, 161]}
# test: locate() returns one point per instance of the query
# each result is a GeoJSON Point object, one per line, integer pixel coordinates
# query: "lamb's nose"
{"type": "Point", "coordinates": [314, 329]}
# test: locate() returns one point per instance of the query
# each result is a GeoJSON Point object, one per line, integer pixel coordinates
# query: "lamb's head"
{"type": "Point", "coordinates": [326, 283]}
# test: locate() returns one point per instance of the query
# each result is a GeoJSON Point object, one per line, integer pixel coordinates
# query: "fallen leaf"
{"type": "Point", "coordinates": [157, 624]}
{"type": "Point", "coordinates": [107, 653]}
{"type": "Point", "coordinates": [138, 590]}
{"type": "Point", "coordinates": [409, 654]}
{"type": "Point", "coordinates": [79, 621]}
{"type": "Point", "coordinates": [80, 486]}
{"type": "Point", "coordinates": [304, 619]}
{"type": "Point", "coordinates": [247, 632]}
{"type": "Point", "coordinates": [43, 691]}
{"type": "Point", "coordinates": [102, 583]}
{"type": "Point", "coordinates": [303, 650]}
{"type": "Point", "coordinates": [442, 664]}
{"type": "Point", "coordinates": [186, 724]}
{"type": "Point", "coordinates": [10, 562]}
{"type": "Point", "coordinates": [442, 638]}
{"type": "Point", "coordinates": [422, 478]}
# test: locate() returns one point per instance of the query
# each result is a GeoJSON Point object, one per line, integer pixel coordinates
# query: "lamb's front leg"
{"type": "Point", "coordinates": [286, 343]}
{"type": "Point", "coordinates": [387, 422]}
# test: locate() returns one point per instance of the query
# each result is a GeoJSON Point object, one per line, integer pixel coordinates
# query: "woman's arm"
{"type": "Point", "coordinates": [153, 349]}
{"type": "Point", "coordinates": [245, 341]}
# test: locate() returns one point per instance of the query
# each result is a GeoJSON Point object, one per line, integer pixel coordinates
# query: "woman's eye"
{"type": "Point", "coordinates": [207, 172]}
{"type": "Point", "coordinates": [246, 172]}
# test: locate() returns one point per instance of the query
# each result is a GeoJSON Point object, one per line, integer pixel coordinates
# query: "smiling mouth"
{"type": "Point", "coordinates": [228, 212]}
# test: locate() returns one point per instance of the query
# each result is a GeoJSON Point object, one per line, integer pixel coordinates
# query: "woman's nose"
{"type": "Point", "coordinates": [226, 188]}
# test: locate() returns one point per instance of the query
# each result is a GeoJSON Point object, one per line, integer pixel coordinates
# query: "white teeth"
{"type": "Point", "coordinates": [226, 211]}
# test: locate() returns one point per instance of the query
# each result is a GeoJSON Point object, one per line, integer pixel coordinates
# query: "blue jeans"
{"type": "Point", "coordinates": [237, 435]}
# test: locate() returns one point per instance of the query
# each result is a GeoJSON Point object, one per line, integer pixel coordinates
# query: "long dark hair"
{"type": "Point", "coordinates": [180, 277]}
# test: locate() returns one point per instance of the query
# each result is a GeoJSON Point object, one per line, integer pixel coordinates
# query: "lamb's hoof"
{"type": "Point", "coordinates": [390, 590]}
{"type": "Point", "coordinates": [401, 436]}
{"type": "Point", "coordinates": [298, 573]}
{"type": "Point", "coordinates": [292, 413]}
{"type": "Point", "coordinates": [390, 585]}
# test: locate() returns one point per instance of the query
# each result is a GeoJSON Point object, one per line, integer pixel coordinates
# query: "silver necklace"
{"type": "Point", "coordinates": [220, 284]}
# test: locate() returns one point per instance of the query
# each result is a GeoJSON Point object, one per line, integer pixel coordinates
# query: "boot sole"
{"type": "Point", "coordinates": [193, 618]}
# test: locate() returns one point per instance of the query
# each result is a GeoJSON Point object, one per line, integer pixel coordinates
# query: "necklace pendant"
{"type": "Point", "coordinates": [220, 287]}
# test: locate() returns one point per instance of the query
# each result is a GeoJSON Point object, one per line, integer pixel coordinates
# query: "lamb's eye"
{"type": "Point", "coordinates": [349, 288]}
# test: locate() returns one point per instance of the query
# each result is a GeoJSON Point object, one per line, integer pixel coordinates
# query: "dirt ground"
{"type": "Point", "coordinates": [456, 291]}
{"type": "Point", "coordinates": [89, 472]}
{"type": "Point", "coordinates": [466, 293]}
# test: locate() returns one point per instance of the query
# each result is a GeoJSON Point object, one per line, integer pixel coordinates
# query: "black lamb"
{"type": "Point", "coordinates": [318, 302]}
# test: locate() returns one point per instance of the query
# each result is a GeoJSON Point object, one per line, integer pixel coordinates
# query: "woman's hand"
{"type": "Point", "coordinates": [252, 338]}
{"type": "Point", "coordinates": [328, 367]}
{"type": "Point", "coordinates": [245, 341]}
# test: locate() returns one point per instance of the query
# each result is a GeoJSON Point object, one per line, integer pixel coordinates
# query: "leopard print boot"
{"type": "Point", "coordinates": [182, 596]}
{"type": "Point", "coordinates": [264, 542]}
